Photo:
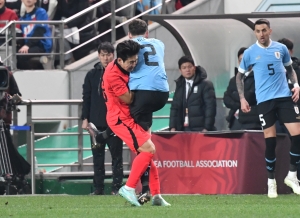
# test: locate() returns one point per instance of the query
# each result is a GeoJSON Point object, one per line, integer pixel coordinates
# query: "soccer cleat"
{"type": "Point", "coordinates": [144, 198]}
{"type": "Point", "coordinates": [293, 183]}
{"type": "Point", "coordinates": [129, 195]}
{"type": "Point", "coordinates": [93, 131]}
{"type": "Point", "coordinates": [272, 190]}
{"type": "Point", "coordinates": [159, 201]}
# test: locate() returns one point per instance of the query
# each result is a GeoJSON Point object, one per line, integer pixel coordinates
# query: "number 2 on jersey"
{"type": "Point", "coordinates": [147, 53]}
{"type": "Point", "coordinates": [270, 67]}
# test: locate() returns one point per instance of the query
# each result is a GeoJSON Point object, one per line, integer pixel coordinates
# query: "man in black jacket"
{"type": "Point", "coordinates": [236, 118]}
{"type": "Point", "coordinates": [194, 103]}
{"type": "Point", "coordinates": [94, 110]}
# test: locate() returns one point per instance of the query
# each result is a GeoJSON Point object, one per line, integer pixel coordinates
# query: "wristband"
{"type": "Point", "coordinates": [296, 85]}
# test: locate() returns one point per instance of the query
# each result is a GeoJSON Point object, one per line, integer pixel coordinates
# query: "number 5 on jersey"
{"type": "Point", "coordinates": [262, 120]}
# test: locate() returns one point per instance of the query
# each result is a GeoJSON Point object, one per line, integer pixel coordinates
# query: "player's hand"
{"type": "Point", "coordinates": [245, 106]}
{"type": "Point", "coordinates": [172, 130]}
{"type": "Point", "coordinates": [204, 130]}
{"type": "Point", "coordinates": [295, 95]}
{"type": "Point", "coordinates": [85, 124]}
{"type": "Point", "coordinates": [24, 49]}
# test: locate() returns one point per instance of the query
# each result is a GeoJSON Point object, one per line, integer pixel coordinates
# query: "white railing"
{"type": "Point", "coordinates": [10, 29]}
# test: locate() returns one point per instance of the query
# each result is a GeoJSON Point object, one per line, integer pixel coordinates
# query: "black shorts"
{"type": "Point", "coordinates": [144, 104]}
{"type": "Point", "coordinates": [282, 109]}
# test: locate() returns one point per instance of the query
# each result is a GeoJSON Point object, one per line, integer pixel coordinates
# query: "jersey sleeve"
{"type": "Point", "coordinates": [117, 84]}
{"type": "Point", "coordinates": [244, 65]}
{"type": "Point", "coordinates": [286, 59]}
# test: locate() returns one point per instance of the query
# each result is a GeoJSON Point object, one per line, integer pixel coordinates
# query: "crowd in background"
{"type": "Point", "coordinates": [60, 10]}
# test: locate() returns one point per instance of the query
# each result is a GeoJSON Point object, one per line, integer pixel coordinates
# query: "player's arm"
{"type": "Point", "coordinates": [240, 84]}
{"type": "Point", "coordinates": [120, 88]}
{"type": "Point", "coordinates": [127, 97]}
{"type": "Point", "coordinates": [292, 76]}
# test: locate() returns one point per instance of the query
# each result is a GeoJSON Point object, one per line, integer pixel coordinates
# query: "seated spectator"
{"type": "Point", "coordinates": [194, 103]}
{"type": "Point", "coordinates": [48, 5]}
{"type": "Point", "coordinates": [14, 5]}
{"type": "Point", "coordinates": [66, 9]}
{"type": "Point", "coordinates": [236, 118]}
{"type": "Point", "coordinates": [7, 14]}
{"type": "Point", "coordinates": [145, 5]}
{"type": "Point", "coordinates": [33, 30]}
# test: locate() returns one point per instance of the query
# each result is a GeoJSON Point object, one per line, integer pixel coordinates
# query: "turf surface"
{"type": "Point", "coordinates": [182, 206]}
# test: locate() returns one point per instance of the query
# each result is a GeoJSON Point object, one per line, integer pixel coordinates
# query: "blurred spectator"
{"type": "Point", "coordinates": [145, 5]}
{"type": "Point", "coordinates": [105, 24]}
{"type": "Point", "coordinates": [236, 118]}
{"type": "Point", "coordinates": [48, 5]}
{"type": "Point", "coordinates": [194, 103]}
{"type": "Point", "coordinates": [28, 45]}
{"type": "Point", "coordinates": [181, 3]}
{"type": "Point", "coordinates": [68, 8]}
{"type": "Point", "coordinates": [7, 14]}
{"type": "Point", "coordinates": [15, 5]}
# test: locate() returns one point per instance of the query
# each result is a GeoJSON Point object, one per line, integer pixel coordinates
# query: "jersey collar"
{"type": "Point", "coordinates": [257, 43]}
{"type": "Point", "coordinates": [123, 71]}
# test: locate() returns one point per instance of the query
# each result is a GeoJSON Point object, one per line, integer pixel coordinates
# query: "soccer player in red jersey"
{"type": "Point", "coordinates": [118, 97]}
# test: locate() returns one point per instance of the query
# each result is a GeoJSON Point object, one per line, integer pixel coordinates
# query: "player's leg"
{"type": "Point", "coordinates": [99, 169]}
{"type": "Point", "coordinates": [144, 104]}
{"type": "Point", "coordinates": [267, 116]}
{"type": "Point", "coordinates": [289, 115]}
{"type": "Point", "coordinates": [137, 140]}
{"type": "Point", "coordinates": [115, 145]}
{"type": "Point", "coordinates": [154, 183]}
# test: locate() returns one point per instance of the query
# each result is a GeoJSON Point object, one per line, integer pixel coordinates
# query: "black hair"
{"type": "Point", "coordinates": [288, 43]}
{"type": "Point", "coordinates": [137, 27]}
{"type": "Point", "coordinates": [106, 46]}
{"type": "Point", "coordinates": [262, 21]}
{"type": "Point", "coordinates": [241, 51]}
{"type": "Point", "coordinates": [127, 48]}
{"type": "Point", "coordinates": [185, 59]}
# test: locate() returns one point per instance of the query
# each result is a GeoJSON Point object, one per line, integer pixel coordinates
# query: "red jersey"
{"type": "Point", "coordinates": [114, 84]}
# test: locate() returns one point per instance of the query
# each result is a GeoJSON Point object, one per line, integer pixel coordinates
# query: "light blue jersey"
{"type": "Point", "coordinates": [269, 71]}
{"type": "Point", "coordinates": [149, 73]}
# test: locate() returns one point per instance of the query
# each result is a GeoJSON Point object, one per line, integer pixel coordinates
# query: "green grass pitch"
{"type": "Point", "coordinates": [185, 206]}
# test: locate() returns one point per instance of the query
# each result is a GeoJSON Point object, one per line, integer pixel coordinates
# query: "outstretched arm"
{"type": "Point", "coordinates": [292, 76]}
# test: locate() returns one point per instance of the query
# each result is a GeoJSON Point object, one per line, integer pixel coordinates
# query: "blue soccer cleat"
{"type": "Point", "coordinates": [129, 195]}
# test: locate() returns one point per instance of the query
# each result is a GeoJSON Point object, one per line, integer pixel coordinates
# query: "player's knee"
{"type": "Point", "coordinates": [148, 146]}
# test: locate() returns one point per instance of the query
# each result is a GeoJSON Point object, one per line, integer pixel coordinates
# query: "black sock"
{"type": "Point", "coordinates": [270, 156]}
{"type": "Point", "coordinates": [145, 180]}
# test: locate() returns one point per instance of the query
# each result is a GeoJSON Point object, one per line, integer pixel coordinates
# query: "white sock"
{"type": "Point", "coordinates": [129, 188]}
{"type": "Point", "coordinates": [157, 196]}
{"type": "Point", "coordinates": [271, 181]}
{"type": "Point", "coordinates": [292, 174]}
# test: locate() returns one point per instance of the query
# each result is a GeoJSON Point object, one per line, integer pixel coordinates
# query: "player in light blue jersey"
{"type": "Point", "coordinates": [271, 64]}
{"type": "Point", "coordinates": [148, 80]}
